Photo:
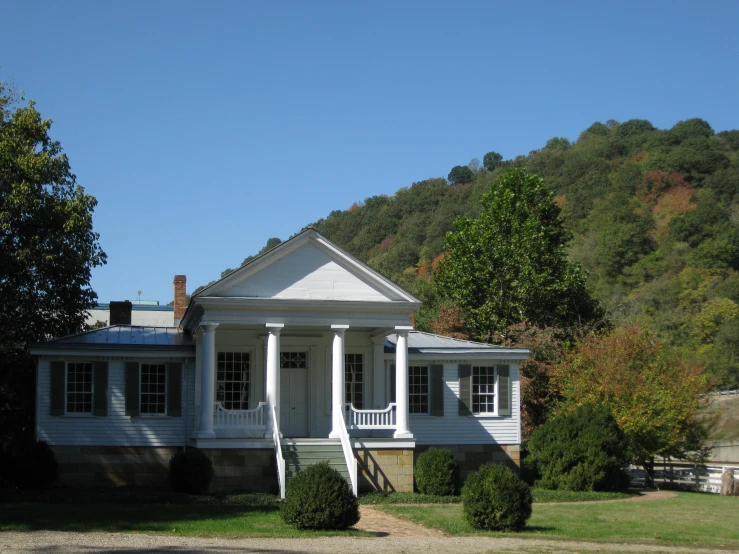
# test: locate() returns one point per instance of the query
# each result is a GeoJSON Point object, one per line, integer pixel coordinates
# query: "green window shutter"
{"type": "Point", "coordinates": [504, 390]}
{"type": "Point", "coordinates": [436, 400]}
{"type": "Point", "coordinates": [392, 383]}
{"type": "Point", "coordinates": [174, 390]}
{"type": "Point", "coordinates": [132, 389]}
{"type": "Point", "coordinates": [465, 389]}
{"type": "Point", "coordinates": [100, 392]}
{"type": "Point", "coordinates": [57, 393]}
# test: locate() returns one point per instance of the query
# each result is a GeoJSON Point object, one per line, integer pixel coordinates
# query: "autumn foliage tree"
{"type": "Point", "coordinates": [653, 390]}
{"type": "Point", "coordinates": [546, 346]}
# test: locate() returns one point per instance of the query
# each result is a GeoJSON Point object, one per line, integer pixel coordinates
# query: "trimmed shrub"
{"type": "Point", "coordinates": [318, 497]}
{"type": "Point", "coordinates": [495, 499]}
{"type": "Point", "coordinates": [582, 451]}
{"type": "Point", "coordinates": [437, 472]}
{"type": "Point", "coordinates": [190, 471]}
{"type": "Point", "coordinates": [35, 467]}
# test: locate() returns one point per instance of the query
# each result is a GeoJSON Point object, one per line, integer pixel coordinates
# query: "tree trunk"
{"type": "Point", "coordinates": [648, 466]}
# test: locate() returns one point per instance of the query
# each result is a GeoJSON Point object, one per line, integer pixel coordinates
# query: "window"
{"type": "Point", "coordinates": [153, 389]}
{"type": "Point", "coordinates": [232, 380]}
{"type": "Point", "coordinates": [418, 389]}
{"type": "Point", "coordinates": [483, 389]}
{"type": "Point", "coordinates": [79, 389]}
{"type": "Point", "coordinates": [294, 360]}
{"type": "Point", "coordinates": [354, 379]}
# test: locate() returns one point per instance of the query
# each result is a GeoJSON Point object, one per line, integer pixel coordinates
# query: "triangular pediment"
{"type": "Point", "coordinates": [308, 267]}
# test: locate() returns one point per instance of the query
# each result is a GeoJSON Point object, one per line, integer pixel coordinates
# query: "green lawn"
{"type": "Point", "coordinates": [691, 519]}
{"type": "Point", "coordinates": [540, 495]}
{"type": "Point", "coordinates": [232, 516]}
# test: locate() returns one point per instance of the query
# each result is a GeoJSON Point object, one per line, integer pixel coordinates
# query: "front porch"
{"type": "Point", "coordinates": [296, 371]}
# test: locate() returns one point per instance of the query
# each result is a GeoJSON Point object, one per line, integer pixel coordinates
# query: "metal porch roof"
{"type": "Point", "coordinates": [124, 337]}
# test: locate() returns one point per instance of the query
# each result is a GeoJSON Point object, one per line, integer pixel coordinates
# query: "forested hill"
{"type": "Point", "coordinates": [654, 216]}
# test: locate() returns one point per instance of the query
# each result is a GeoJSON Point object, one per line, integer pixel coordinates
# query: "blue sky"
{"type": "Point", "coordinates": [203, 129]}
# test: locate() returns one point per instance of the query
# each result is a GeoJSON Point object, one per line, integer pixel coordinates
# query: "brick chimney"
{"type": "Point", "coordinates": [180, 297]}
{"type": "Point", "coordinates": [120, 313]}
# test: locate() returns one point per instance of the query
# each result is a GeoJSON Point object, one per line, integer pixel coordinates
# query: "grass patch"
{"type": "Point", "coordinates": [132, 495]}
{"type": "Point", "coordinates": [546, 495]}
{"type": "Point", "coordinates": [381, 497]}
{"type": "Point", "coordinates": [149, 511]}
{"type": "Point", "coordinates": [691, 519]}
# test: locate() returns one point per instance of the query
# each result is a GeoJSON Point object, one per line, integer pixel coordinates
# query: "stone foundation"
{"type": "Point", "coordinates": [244, 469]}
{"type": "Point", "coordinates": [472, 456]}
{"type": "Point", "coordinates": [387, 469]}
{"type": "Point", "coordinates": [252, 470]}
{"type": "Point", "coordinates": [142, 466]}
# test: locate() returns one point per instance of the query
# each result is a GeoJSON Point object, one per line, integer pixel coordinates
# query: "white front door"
{"type": "Point", "coordinates": [294, 402]}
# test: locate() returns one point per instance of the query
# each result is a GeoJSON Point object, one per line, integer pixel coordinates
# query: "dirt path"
{"type": "Point", "coordinates": [381, 524]}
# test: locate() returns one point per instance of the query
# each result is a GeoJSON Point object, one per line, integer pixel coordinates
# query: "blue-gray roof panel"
{"type": "Point", "coordinates": [125, 336]}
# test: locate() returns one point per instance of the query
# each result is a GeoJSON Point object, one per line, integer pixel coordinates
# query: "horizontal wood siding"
{"type": "Point", "coordinates": [456, 429]}
{"type": "Point", "coordinates": [116, 429]}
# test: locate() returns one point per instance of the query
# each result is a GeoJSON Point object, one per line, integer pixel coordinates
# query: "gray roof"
{"type": "Point", "coordinates": [420, 342]}
{"type": "Point", "coordinates": [125, 336]}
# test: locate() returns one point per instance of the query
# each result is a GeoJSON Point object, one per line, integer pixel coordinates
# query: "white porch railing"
{"type": "Point", "coordinates": [278, 452]}
{"type": "Point", "coordinates": [241, 419]}
{"type": "Point", "coordinates": [346, 445]}
{"type": "Point", "coordinates": [370, 419]}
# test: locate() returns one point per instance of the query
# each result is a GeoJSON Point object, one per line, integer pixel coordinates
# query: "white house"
{"type": "Point", "coordinates": [305, 353]}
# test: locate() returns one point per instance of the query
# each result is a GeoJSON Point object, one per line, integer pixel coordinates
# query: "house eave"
{"type": "Point", "coordinates": [80, 350]}
{"type": "Point", "coordinates": [308, 304]}
{"type": "Point", "coordinates": [441, 353]}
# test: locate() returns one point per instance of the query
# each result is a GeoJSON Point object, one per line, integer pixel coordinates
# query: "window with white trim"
{"type": "Point", "coordinates": [293, 360]}
{"type": "Point", "coordinates": [354, 379]}
{"type": "Point", "coordinates": [153, 389]}
{"type": "Point", "coordinates": [233, 379]}
{"type": "Point", "coordinates": [483, 389]}
{"type": "Point", "coordinates": [79, 388]}
{"type": "Point", "coordinates": [418, 389]}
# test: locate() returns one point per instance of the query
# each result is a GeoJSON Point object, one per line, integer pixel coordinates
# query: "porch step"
{"type": "Point", "coordinates": [303, 453]}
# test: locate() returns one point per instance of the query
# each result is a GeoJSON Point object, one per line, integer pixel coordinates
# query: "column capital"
{"type": "Point", "coordinates": [339, 329]}
{"type": "Point", "coordinates": [274, 328]}
{"type": "Point", "coordinates": [208, 326]}
{"type": "Point", "coordinates": [403, 330]}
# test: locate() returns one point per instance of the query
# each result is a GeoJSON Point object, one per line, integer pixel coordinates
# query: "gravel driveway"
{"type": "Point", "coordinates": [46, 541]}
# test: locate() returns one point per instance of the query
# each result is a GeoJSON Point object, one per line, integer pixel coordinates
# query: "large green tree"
{"type": "Point", "coordinates": [509, 265]}
{"type": "Point", "coordinates": [47, 249]}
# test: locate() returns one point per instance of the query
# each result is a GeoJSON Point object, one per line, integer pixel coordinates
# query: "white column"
{"type": "Point", "coordinates": [380, 390]}
{"type": "Point", "coordinates": [273, 376]}
{"type": "Point", "coordinates": [208, 379]}
{"type": "Point", "coordinates": [401, 383]}
{"type": "Point", "coordinates": [338, 392]}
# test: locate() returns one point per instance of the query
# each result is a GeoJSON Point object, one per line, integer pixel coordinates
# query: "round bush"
{"type": "Point", "coordinates": [582, 451]}
{"type": "Point", "coordinates": [318, 497]}
{"type": "Point", "coordinates": [190, 471]}
{"type": "Point", "coordinates": [35, 467]}
{"type": "Point", "coordinates": [437, 472]}
{"type": "Point", "coordinates": [495, 499]}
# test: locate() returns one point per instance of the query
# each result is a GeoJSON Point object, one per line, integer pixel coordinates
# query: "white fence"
{"type": "Point", "coordinates": [241, 419]}
{"type": "Point", "coordinates": [681, 476]}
